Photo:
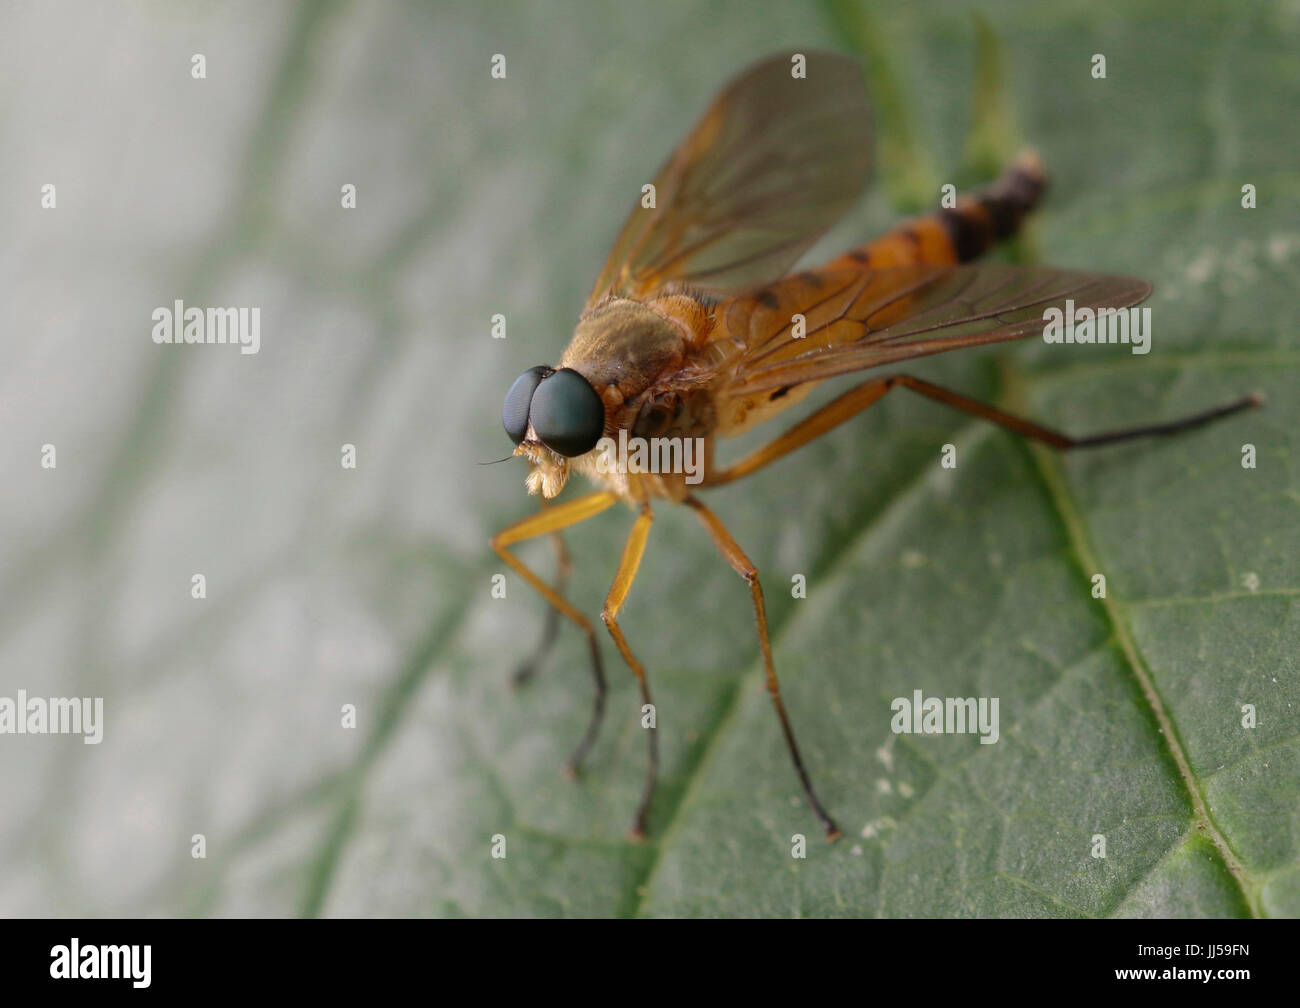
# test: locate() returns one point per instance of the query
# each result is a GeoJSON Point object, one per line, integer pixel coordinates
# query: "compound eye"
{"type": "Point", "coordinates": [514, 411]}
{"type": "Point", "coordinates": [567, 413]}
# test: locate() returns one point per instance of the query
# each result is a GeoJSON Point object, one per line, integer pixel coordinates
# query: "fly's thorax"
{"type": "Point", "coordinates": [636, 356]}
{"type": "Point", "coordinates": [680, 411]}
{"type": "Point", "coordinates": [623, 347]}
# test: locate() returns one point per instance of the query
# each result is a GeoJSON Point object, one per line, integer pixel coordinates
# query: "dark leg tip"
{"type": "Point", "coordinates": [833, 833]}
{"type": "Point", "coordinates": [1257, 399]}
{"type": "Point", "coordinates": [636, 834]}
{"type": "Point", "coordinates": [572, 770]}
{"type": "Point", "coordinates": [522, 674]}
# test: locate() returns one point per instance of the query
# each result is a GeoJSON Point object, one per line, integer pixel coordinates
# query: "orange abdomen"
{"type": "Point", "coordinates": [961, 233]}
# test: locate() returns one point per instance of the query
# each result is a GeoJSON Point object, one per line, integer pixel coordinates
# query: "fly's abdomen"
{"type": "Point", "coordinates": [961, 233]}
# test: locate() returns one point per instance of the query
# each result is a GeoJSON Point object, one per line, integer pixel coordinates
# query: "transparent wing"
{"type": "Point", "coordinates": [857, 319]}
{"type": "Point", "coordinates": [773, 162]}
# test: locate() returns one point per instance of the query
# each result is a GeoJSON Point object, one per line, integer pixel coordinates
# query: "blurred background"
{"type": "Point", "coordinates": [328, 586]}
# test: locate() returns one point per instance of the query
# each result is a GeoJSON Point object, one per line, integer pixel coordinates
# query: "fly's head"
{"type": "Point", "coordinates": [557, 415]}
{"type": "Point", "coordinates": [552, 416]}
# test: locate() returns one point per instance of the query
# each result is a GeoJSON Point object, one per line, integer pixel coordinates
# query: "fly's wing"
{"type": "Point", "coordinates": [773, 162]}
{"type": "Point", "coordinates": [857, 319]}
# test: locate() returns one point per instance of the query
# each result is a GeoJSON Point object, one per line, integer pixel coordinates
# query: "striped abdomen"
{"type": "Point", "coordinates": [963, 232]}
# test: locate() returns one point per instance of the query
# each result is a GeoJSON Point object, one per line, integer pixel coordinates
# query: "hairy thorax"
{"type": "Point", "coordinates": [638, 356]}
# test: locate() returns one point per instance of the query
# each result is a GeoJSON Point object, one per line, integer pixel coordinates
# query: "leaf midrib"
{"type": "Point", "coordinates": [1049, 471]}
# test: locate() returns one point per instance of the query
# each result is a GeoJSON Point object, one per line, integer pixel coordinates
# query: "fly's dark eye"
{"type": "Point", "coordinates": [567, 413]}
{"type": "Point", "coordinates": [514, 411]}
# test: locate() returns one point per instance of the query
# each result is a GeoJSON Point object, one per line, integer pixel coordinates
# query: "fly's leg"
{"type": "Point", "coordinates": [846, 407]}
{"type": "Point", "coordinates": [550, 629]}
{"type": "Point", "coordinates": [855, 400]}
{"type": "Point", "coordinates": [553, 519]}
{"type": "Point", "coordinates": [627, 568]}
{"type": "Point", "coordinates": [741, 564]}
{"type": "Point", "coordinates": [1063, 442]}
{"type": "Point", "coordinates": [830, 416]}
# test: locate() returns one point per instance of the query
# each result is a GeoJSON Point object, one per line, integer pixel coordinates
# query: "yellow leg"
{"type": "Point", "coordinates": [830, 416]}
{"type": "Point", "coordinates": [550, 629]}
{"type": "Point", "coordinates": [623, 579]}
{"type": "Point", "coordinates": [553, 519]}
{"type": "Point", "coordinates": [742, 565]}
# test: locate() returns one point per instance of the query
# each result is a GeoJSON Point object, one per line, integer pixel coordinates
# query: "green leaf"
{"type": "Point", "coordinates": [1120, 717]}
